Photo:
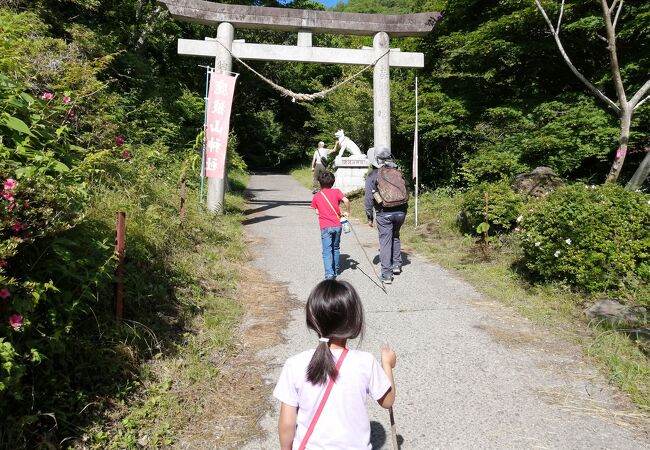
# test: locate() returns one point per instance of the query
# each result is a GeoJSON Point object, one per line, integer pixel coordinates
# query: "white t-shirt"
{"type": "Point", "coordinates": [320, 153]}
{"type": "Point", "coordinates": [344, 422]}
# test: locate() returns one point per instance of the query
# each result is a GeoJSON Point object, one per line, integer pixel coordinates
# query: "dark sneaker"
{"type": "Point", "coordinates": [386, 280]}
{"type": "Point", "coordinates": [397, 270]}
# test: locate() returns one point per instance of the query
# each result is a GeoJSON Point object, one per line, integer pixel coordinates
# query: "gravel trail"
{"type": "Point", "coordinates": [471, 374]}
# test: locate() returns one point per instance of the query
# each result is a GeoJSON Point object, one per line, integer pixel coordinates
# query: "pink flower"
{"type": "Point", "coordinates": [126, 155]}
{"type": "Point", "coordinates": [66, 99]}
{"type": "Point", "coordinates": [17, 227]}
{"type": "Point", "coordinates": [5, 293]}
{"type": "Point", "coordinates": [3, 264]}
{"type": "Point", "coordinates": [12, 206]}
{"type": "Point", "coordinates": [16, 321]}
{"type": "Point", "coordinates": [47, 96]}
{"type": "Point", "coordinates": [119, 140]}
{"type": "Point", "coordinates": [8, 196]}
{"type": "Point", "coordinates": [10, 184]}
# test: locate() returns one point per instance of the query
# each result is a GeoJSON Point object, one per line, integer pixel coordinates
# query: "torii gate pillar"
{"type": "Point", "coordinates": [222, 64]}
{"type": "Point", "coordinates": [381, 91]}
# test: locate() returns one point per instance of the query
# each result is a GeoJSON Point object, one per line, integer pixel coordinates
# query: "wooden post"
{"type": "Point", "coordinates": [120, 241]}
{"type": "Point", "coordinates": [183, 191]}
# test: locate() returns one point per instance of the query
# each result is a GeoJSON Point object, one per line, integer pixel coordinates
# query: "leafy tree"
{"type": "Point", "coordinates": [611, 13]}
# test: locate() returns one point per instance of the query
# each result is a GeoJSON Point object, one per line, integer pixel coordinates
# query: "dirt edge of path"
{"type": "Point", "coordinates": [233, 407]}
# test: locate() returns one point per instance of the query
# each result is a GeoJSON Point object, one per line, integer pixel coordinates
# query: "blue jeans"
{"type": "Point", "coordinates": [331, 239]}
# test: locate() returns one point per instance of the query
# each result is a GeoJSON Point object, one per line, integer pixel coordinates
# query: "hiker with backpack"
{"type": "Point", "coordinates": [386, 193]}
{"type": "Point", "coordinates": [319, 164]}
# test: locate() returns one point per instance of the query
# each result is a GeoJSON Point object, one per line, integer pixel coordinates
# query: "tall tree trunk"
{"type": "Point", "coordinates": [626, 109]}
{"type": "Point", "coordinates": [640, 175]}
{"type": "Point", "coordinates": [619, 159]}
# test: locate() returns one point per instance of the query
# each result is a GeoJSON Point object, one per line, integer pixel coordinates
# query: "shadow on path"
{"type": "Point", "coordinates": [265, 205]}
{"type": "Point", "coordinates": [405, 259]}
{"type": "Point", "coordinates": [379, 436]}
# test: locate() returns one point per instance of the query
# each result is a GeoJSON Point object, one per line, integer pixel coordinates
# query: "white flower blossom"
{"type": "Point", "coordinates": [520, 218]}
{"type": "Point", "coordinates": [568, 241]}
{"type": "Point", "coordinates": [537, 244]}
{"type": "Point", "coordinates": [648, 202]}
{"type": "Point", "coordinates": [557, 254]}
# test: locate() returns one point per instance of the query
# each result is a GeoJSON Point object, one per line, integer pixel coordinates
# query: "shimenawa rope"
{"type": "Point", "coordinates": [303, 97]}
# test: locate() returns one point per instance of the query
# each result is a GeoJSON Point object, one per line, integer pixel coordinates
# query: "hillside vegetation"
{"type": "Point", "coordinates": [98, 114]}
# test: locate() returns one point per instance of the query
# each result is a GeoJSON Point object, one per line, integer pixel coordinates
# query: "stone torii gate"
{"type": "Point", "coordinates": [305, 23]}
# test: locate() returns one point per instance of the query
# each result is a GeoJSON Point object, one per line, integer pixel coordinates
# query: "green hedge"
{"type": "Point", "coordinates": [596, 238]}
{"type": "Point", "coordinates": [494, 203]}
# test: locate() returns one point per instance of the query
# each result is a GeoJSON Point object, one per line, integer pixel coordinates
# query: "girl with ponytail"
{"type": "Point", "coordinates": [323, 391]}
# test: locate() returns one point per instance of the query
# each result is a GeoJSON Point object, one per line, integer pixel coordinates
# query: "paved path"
{"type": "Point", "coordinates": [470, 374]}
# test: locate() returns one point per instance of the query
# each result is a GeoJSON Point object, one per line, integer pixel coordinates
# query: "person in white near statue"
{"type": "Point", "coordinates": [345, 143]}
{"type": "Point", "coordinates": [319, 164]}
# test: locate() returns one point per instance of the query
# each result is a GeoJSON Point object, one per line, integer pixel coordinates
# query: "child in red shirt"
{"type": "Point", "coordinates": [326, 203]}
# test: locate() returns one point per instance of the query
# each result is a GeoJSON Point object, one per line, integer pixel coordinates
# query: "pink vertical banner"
{"type": "Point", "coordinates": [222, 90]}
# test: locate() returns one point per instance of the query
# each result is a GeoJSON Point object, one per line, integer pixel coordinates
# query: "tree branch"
{"type": "Point", "coordinates": [575, 71]}
{"type": "Point", "coordinates": [602, 38]}
{"type": "Point", "coordinates": [613, 56]}
{"type": "Point", "coordinates": [559, 19]}
{"type": "Point", "coordinates": [618, 13]}
{"type": "Point", "coordinates": [636, 101]}
{"type": "Point", "coordinates": [642, 102]}
{"type": "Point", "coordinates": [611, 8]}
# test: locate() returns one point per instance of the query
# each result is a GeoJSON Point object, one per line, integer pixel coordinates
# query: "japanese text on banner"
{"type": "Point", "coordinates": [220, 96]}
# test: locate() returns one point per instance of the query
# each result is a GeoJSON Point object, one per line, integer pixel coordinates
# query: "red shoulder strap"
{"type": "Point", "coordinates": [330, 385]}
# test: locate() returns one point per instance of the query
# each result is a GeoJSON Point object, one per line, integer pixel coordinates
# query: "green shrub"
{"type": "Point", "coordinates": [492, 165]}
{"type": "Point", "coordinates": [493, 203]}
{"type": "Point", "coordinates": [595, 238]}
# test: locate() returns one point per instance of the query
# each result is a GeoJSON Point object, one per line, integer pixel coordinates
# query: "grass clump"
{"type": "Point", "coordinates": [180, 309]}
{"type": "Point", "coordinates": [304, 175]}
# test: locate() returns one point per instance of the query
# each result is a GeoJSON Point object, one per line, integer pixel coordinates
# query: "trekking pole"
{"type": "Point", "coordinates": [372, 266]}
{"type": "Point", "coordinates": [393, 428]}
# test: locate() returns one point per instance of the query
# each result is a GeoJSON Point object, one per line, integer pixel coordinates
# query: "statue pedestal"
{"type": "Point", "coordinates": [351, 173]}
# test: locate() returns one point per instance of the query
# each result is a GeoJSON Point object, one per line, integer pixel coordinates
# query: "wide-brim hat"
{"type": "Point", "coordinates": [380, 157]}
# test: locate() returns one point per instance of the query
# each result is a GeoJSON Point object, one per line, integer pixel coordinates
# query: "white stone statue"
{"type": "Point", "coordinates": [345, 143]}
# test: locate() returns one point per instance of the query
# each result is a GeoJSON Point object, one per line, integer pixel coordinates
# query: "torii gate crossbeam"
{"type": "Point", "coordinates": [305, 22]}
{"type": "Point", "coordinates": [295, 53]}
